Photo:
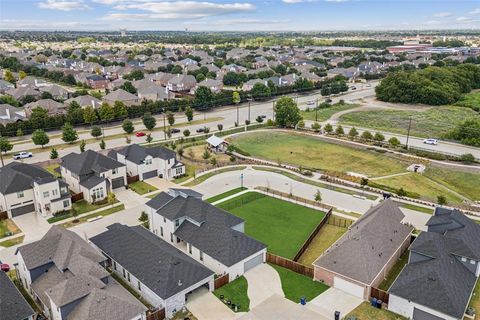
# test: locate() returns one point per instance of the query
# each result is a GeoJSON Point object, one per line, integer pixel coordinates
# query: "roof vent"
{"type": "Point", "coordinates": [179, 283]}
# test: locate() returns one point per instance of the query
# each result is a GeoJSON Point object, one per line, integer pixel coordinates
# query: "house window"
{"type": "Point", "coordinates": [98, 193]}
{"type": "Point", "coordinates": [177, 223]}
{"type": "Point", "coordinates": [114, 265]}
{"type": "Point", "coordinates": [20, 194]}
{"type": "Point", "coordinates": [63, 190]}
{"type": "Point", "coordinates": [54, 192]}
{"type": "Point", "coordinates": [161, 231]}
{"type": "Point", "coordinates": [201, 256]}
{"type": "Point", "coordinates": [128, 276]}
{"type": "Point", "coordinates": [190, 248]}
{"type": "Point", "coordinates": [464, 259]}
{"type": "Point", "coordinates": [46, 194]}
{"type": "Point", "coordinates": [148, 161]}
{"type": "Point", "coordinates": [171, 237]}
{"type": "Point", "coordinates": [139, 286]}
{"type": "Point", "coordinates": [115, 171]}
{"type": "Point", "coordinates": [123, 271]}
{"type": "Point", "coordinates": [472, 261]}
{"type": "Point", "coordinates": [164, 220]}
{"type": "Point", "coordinates": [66, 203]}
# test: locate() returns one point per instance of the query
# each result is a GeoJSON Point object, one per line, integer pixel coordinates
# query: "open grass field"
{"type": "Point", "coordinates": [324, 239]}
{"type": "Point", "coordinates": [310, 152]}
{"type": "Point", "coordinates": [225, 194]}
{"type": "Point", "coordinates": [295, 285]}
{"type": "Point", "coordinates": [141, 187]}
{"type": "Point", "coordinates": [464, 182]}
{"type": "Point", "coordinates": [366, 312]}
{"type": "Point", "coordinates": [235, 291]}
{"type": "Point", "coordinates": [7, 228]}
{"type": "Point", "coordinates": [434, 122]}
{"type": "Point", "coordinates": [281, 225]}
{"type": "Point", "coordinates": [325, 113]}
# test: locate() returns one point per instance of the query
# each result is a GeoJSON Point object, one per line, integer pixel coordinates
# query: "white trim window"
{"type": "Point", "coordinates": [97, 193]}
{"type": "Point", "coordinates": [20, 194]}
{"type": "Point", "coordinates": [148, 161]}
{"type": "Point", "coordinates": [46, 194]}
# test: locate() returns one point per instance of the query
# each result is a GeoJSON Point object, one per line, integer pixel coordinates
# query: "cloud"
{"type": "Point", "coordinates": [463, 19]}
{"type": "Point", "coordinates": [442, 14]}
{"type": "Point", "coordinates": [475, 11]}
{"type": "Point", "coordinates": [63, 5]}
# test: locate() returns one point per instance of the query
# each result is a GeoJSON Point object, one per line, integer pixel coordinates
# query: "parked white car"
{"type": "Point", "coordinates": [310, 103]}
{"type": "Point", "coordinates": [22, 155]}
{"type": "Point", "coordinates": [431, 141]}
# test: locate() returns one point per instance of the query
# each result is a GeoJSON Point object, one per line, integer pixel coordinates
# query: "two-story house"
{"type": "Point", "coordinates": [208, 234]}
{"type": "Point", "coordinates": [181, 82]}
{"type": "Point", "coordinates": [13, 305]}
{"type": "Point", "coordinates": [67, 278]}
{"type": "Point", "coordinates": [149, 162]}
{"type": "Point", "coordinates": [442, 270]}
{"type": "Point", "coordinates": [92, 174]}
{"type": "Point", "coordinates": [26, 188]}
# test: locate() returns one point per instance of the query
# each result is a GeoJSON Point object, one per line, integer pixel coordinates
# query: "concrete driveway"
{"type": "Point", "coordinates": [161, 184]}
{"type": "Point", "coordinates": [32, 225]}
{"type": "Point", "coordinates": [205, 306]}
{"type": "Point", "coordinates": [130, 198]}
{"type": "Point", "coordinates": [263, 282]}
{"type": "Point", "coordinates": [334, 300]}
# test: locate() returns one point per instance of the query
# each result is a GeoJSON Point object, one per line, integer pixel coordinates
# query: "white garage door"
{"type": "Point", "coordinates": [348, 287]}
{"type": "Point", "coordinates": [253, 262]}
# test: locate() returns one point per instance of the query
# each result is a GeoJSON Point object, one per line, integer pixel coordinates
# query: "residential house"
{"type": "Point", "coordinates": [155, 93]}
{"type": "Point", "coordinates": [53, 107]}
{"type": "Point", "coordinates": [442, 270]}
{"type": "Point", "coordinates": [85, 101]}
{"type": "Point", "coordinates": [92, 174]}
{"type": "Point", "coordinates": [121, 95]}
{"type": "Point", "coordinates": [97, 82]}
{"type": "Point", "coordinates": [5, 86]}
{"type": "Point", "coordinates": [247, 86]}
{"type": "Point", "coordinates": [214, 85]}
{"type": "Point", "coordinates": [13, 305]}
{"type": "Point", "coordinates": [57, 92]}
{"type": "Point", "coordinates": [66, 277]}
{"type": "Point", "coordinates": [208, 234]}
{"type": "Point", "coordinates": [181, 82]}
{"type": "Point", "coordinates": [160, 273]}
{"type": "Point", "coordinates": [160, 78]}
{"type": "Point", "coordinates": [27, 188]}
{"type": "Point", "coordinates": [31, 82]}
{"type": "Point", "coordinates": [9, 114]}
{"type": "Point", "coordinates": [22, 92]}
{"type": "Point", "coordinates": [365, 254]}
{"type": "Point", "coordinates": [149, 162]}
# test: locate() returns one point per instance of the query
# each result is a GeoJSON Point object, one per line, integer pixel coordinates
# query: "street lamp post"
{"type": "Point", "coordinates": [241, 181]}
{"type": "Point", "coordinates": [164, 126]}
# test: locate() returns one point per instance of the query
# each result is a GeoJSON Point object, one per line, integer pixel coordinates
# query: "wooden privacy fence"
{"type": "Point", "coordinates": [132, 179]}
{"type": "Point", "coordinates": [221, 281]}
{"type": "Point", "coordinates": [156, 315]}
{"type": "Point", "coordinates": [379, 295]}
{"type": "Point", "coordinates": [290, 265]}
{"type": "Point", "coordinates": [298, 200]}
{"type": "Point", "coordinates": [339, 221]}
{"type": "Point", "coordinates": [77, 197]}
{"type": "Point", "coordinates": [314, 233]}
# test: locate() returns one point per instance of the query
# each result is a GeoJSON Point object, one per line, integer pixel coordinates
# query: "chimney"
{"type": "Point", "coordinates": [7, 110]}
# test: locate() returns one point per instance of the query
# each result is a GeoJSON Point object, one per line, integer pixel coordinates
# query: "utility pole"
{"type": "Point", "coordinates": [241, 181]}
{"type": "Point", "coordinates": [408, 133]}
{"type": "Point", "coordinates": [238, 116]}
{"type": "Point", "coordinates": [249, 111]}
{"type": "Point", "coordinates": [316, 110]}
{"type": "Point", "coordinates": [273, 102]}
{"type": "Point", "coordinates": [164, 126]}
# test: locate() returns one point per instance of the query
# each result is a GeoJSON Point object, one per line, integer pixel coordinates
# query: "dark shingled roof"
{"type": "Point", "coordinates": [13, 305]}
{"type": "Point", "coordinates": [213, 233]}
{"type": "Point", "coordinates": [160, 266]}
{"type": "Point", "coordinates": [440, 281]}
{"type": "Point", "coordinates": [17, 176]}
{"type": "Point", "coordinates": [371, 241]}
{"type": "Point", "coordinates": [136, 153]}
{"type": "Point", "coordinates": [89, 162]}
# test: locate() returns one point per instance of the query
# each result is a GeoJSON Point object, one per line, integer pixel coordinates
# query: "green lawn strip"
{"type": "Point", "coordinates": [12, 242]}
{"type": "Point", "coordinates": [141, 187]}
{"type": "Point", "coordinates": [8, 228]}
{"type": "Point", "coordinates": [475, 300]}
{"type": "Point", "coordinates": [80, 207]}
{"type": "Point", "coordinates": [366, 312]}
{"type": "Point", "coordinates": [315, 183]}
{"type": "Point", "coordinates": [325, 113]}
{"type": "Point", "coordinates": [322, 241]}
{"type": "Point", "coordinates": [127, 286]}
{"type": "Point", "coordinates": [225, 194]}
{"type": "Point", "coordinates": [206, 176]}
{"type": "Point", "coordinates": [295, 285]}
{"type": "Point", "coordinates": [434, 122]}
{"type": "Point", "coordinates": [153, 195]}
{"type": "Point", "coordinates": [51, 169]}
{"type": "Point", "coordinates": [236, 292]}
{"type": "Point", "coordinates": [313, 153]}
{"type": "Point", "coordinates": [394, 272]}
{"type": "Point", "coordinates": [13, 275]}
{"type": "Point", "coordinates": [415, 207]}
{"type": "Point", "coordinates": [102, 213]}
{"type": "Point", "coordinates": [283, 226]}
{"type": "Point", "coordinates": [464, 182]}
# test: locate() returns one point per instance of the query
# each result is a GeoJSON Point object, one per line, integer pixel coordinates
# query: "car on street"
{"type": "Point", "coordinates": [263, 116]}
{"type": "Point", "coordinates": [368, 85]}
{"type": "Point", "coordinates": [431, 141]}
{"type": "Point", "coordinates": [353, 88]}
{"type": "Point", "coordinates": [310, 103]}
{"type": "Point", "coordinates": [22, 155]}
{"type": "Point", "coordinates": [200, 130]}
{"type": "Point", "coordinates": [140, 134]}
{"type": "Point", "coordinates": [4, 267]}
{"type": "Point", "coordinates": [174, 130]}
{"type": "Point", "coordinates": [328, 100]}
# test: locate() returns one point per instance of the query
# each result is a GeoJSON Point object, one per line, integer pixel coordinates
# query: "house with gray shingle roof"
{"type": "Point", "coordinates": [121, 95]}
{"type": "Point", "coordinates": [442, 270]}
{"type": "Point", "coordinates": [162, 274]}
{"type": "Point", "coordinates": [13, 305]}
{"type": "Point", "coordinates": [9, 114]}
{"type": "Point", "coordinates": [67, 278]}
{"type": "Point", "coordinates": [364, 255]}
{"type": "Point", "coordinates": [210, 235]}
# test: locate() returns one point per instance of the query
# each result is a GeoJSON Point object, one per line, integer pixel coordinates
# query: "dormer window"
{"type": "Point", "coordinates": [177, 223]}
{"type": "Point", "coordinates": [115, 171]}
{"type": "Point", "coordinates": [464, 259]}
{"type": "Point", "coordinates": [148, 161]}
{"type": "Point", "coordinates": [472, 261]}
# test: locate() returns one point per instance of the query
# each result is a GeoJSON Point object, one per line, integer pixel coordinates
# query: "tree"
{"type": "Point", "coordinates": [149, 121]}
{"type": "Point", "coordinates": [206, 129]}
{"type": "Point", "coordinates": [180, 152]}
{"type": "Point", "coordinates": [379, 137]}
{"type": "Point", "coordinates": [316, 126]}
{"type": "Point", "coordinates": [394, 142]}
{"type": "Point", "coordinates": [213, 161]}
{"type": "Point", "coordinates": [367, 135]}
{"type": "Point", "coordinates": [19, 132]}
{"type": "Point", "coordinates": [89, 115]}
{"type": "Point", "coordinates": [206, 154]}
{"type": "Point", "coordinates": [5, 146]}
{"type": "Point", "coordinates": [186, 132]}
{"type": "Point", "coordinates": [128, 86]}
{"type": "Point", "coordinates": [259, 119]}
{"type": "Point", "coordinates": [287, 112]}
{"type": "Point", "coordinates": [328, 128]}
{"type": "Point", "coordinates": [364, 182]}
{"type": "Point", "coordinates": [106, 112]}
{"type": "Point", "coordinates": [401, 192]}
{"type": "Point", "coordinates": [353, 133]}
{"type": "Point", "coordinates": [318, 196]}
{"type": "Point", "coordinates": [40, 138]}
{"type": "Point", "coordinates": [111, 198]}
{"type": "Point", "coordinates": [103, 145]}
{"type": "Point", "coordinates": [69, 134]}
{"type": "Point", "coordinates": [96, 132]}
{"type": "Point", "coordinates": [467, 158]}
{"type": "Point", "coordinates": [53, 154]}
{"type": "Point", "coordinates": [339, 130]}
{"type": "Point", "coordinates": [144, 219]}
{"type": "Point", "coordinates": [301, 124]}
{"type": "Point", "coordinates": [82, 146]}
{"type": "Point", "coordinates": [120, 110]}
{"type": "Point", "coordinates": [236, 97]}
{"type": "Point", "coordinates": [127, 126]}
{"type": "Point", "coordinates": [9, 76]}
{"type": "Point", "coordinates": [189, 113]}
{"type": "Point", "coordinates": [220, 127]}
{"type": "Point", "coordinates": [170, 118]}
{"type": "Point", "coordinates": [39, 118]}
{"type": "Point", "coordinates": [149, 138]}
{"type": "Point", "coordinates": [441, 200]}
{"type": "Point", "coordinates": [260, 90]}
{"type": "Point", "coordinates": [203, 98]}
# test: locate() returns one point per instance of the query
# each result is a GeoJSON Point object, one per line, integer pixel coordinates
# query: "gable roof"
{"type": "Point", "coordinates": [215, 141]}
{"type": "Point", "coordinates": [136, 153]}
{"type": "Point", "coordinates": [371, 241]}
{"type": "Point", "coordinates": [12, 304]}
{"type": "Point", "coordinates": [17, 176]}
{"type": "Point", "coordinates": [89, 162]}
{"type": "Point", "coordinates": [160, 266]}
{"type": "Point", "coordinates": [120, 95]}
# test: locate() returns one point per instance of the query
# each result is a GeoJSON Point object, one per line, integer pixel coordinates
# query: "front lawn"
{"type": "Point", "coordinates": [236, 292]}
{"type": "Point", "coordinates": [225, 194]}
{"type": "Point", "coordinates": [80, 207]}
{"type": "Point", "coordinates": [295, 285]}
{"type": "Point", "coordinates": [394, 272]}
{"type": "Point", "coordinates": [141, 187]}
{"type": "Point", "coordinates": [366, 312]}
{"type": "Point", "coordinates": [283, 226]}
{"type": "Point", "coordinates": [12, 242]}
{"type": "Point", "coordinates": [324, 239]}
{"type": "Point", "coordinates": [326, 113]}
{"type": "Point", "coordinates": [8, 228]}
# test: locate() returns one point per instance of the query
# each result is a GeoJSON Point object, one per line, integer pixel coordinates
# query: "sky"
{"type": "Point", "coordinates": [239, 15]}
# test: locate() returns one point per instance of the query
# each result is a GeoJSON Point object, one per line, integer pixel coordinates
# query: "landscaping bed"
{"type": "Point", "coordinates": [80, 207]}
{"type": "Point", "coordinates": [236, 292]}
{"type": "Point", "coordinates": [281, 225]}
{"type": "Point", "coordinates": [206, 176]}
{"type": "Point", "coordinates": [12, 242]}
